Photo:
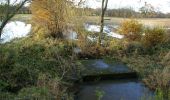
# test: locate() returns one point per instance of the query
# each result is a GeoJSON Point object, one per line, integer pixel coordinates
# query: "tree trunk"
{"type": "Point", "coordinates": [9, 15]}
{"type": "Point", "coordinates": [2, 27]}
{"type": "Point", "coordinates": [104, 7]}
{"type": "Point", "coordinates": [1, 32]}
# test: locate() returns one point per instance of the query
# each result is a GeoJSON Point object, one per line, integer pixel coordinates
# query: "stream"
{"type": "Point", "coordinates": [103, 79]}
{"type": "Point", "coordinates": [121, 88]}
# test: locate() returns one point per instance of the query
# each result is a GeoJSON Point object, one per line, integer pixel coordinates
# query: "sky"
{"type": "Point", "coordinates": [162, 5]}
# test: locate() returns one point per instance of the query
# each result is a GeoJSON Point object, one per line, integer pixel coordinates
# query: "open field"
{"type": "Point", "coordinates": [165, 22]}
{"type": "Point", "coordinates": [22, 17]}
{"type": "Point", "coordinates": [146, 21]}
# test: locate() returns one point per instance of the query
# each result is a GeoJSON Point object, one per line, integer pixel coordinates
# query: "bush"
{"type": "Point", "coordinates": [90, 49]}
{"type": "Point", "coordinates": [160, 78]}
{"type": "Point", "coordinates": [166, 60]}
{"type": "Point", "coordinates": [134, 47]}
{"type": "Point", "coordinates": [7, 96]}
{"type": "Point", "coordinates": [35, 93]}
{"type": "Point", "coordinates": [51, 19]}
{"type": "Point", "coordinates": [154, 36]}
{"type": "Point", "coordinates": [132, 29]}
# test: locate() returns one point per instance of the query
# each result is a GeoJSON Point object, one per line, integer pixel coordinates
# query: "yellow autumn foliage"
{"type": "Point", "coordinates": [132, 29]}
{"type": "Point", "coordinates": [51, 15]}
{"type": "Point", "coordinates": [154, 36]}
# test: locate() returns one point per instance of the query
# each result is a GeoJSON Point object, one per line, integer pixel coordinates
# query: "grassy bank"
{"type": "Point", "coordinates": [37, 69]}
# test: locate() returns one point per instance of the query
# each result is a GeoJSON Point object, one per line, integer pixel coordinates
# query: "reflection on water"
{"type": "Point", "coordinates": [15, 29]}
{"type": "Point", "coordinates": [104, 66]}
{"type": "Point", "coordinates": [109, 29]}
{"type": "Point", "coordinates": [18, 29]}
{"type": "Point", "coordinates": [100, 64]}
{"type": "Point", "coordinates": [115, 90]}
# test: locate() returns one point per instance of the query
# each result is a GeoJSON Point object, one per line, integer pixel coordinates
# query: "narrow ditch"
{"type": "Point", "coordinates": [115, 85]}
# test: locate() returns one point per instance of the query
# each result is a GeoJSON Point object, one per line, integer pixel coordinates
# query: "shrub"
{"type": "Point", "coordinates": [154, 36]}
{"type": "Point", "coordinates": [160, 78]}
{"type": "Point", "coordinates": [52, 16]}
{"type": "Point", "coordinates": [132, 29]}
{"type": "Point", "coordinates": [115, 47]}
{"type": "Point", "coordinates": [7, 96]}
{"type": "Point", "coordinates": [35, 93]}
{"type": "Point", "coordinates": [134, 47]}
{"type": "Point", "coordinates": [166, 60]}
{"type": "Point", "coordinates": [90, 49]}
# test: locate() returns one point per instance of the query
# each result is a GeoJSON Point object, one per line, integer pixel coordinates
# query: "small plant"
{"type": "Point", "coordinates": [159, 95]}
{"type": "Point", "coordinates": [99, 94]}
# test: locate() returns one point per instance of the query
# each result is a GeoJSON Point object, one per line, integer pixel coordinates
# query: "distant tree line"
{"type": "Point", "coordinates": [129, 12]}
{"type": "Point", "coordinates": [24, 10]}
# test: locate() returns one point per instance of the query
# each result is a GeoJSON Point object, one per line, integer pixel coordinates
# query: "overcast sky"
{"type": "Point", "coordinates": [162, 5]}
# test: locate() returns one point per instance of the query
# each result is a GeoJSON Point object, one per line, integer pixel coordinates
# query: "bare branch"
{"type": "Point", "coordinates": [8, 13]}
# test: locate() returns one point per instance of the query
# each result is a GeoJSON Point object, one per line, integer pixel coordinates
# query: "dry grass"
{"type": "Point", "coordinates": [113, 20]}
{"type": "Point", "coordinates": [22, 17]}
{"type": "Point", "coordinates": [146, 21]}
{"type": "Point", "coordinates": [154, 70]}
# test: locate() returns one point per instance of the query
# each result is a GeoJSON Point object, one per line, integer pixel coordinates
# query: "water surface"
{"type": "Point", "coordinates": [108, 29]}
{"type": "Point", "coordinates": [100, 66]}
{"type": "Point", "coordinates": [15, 29]}
{"type": "Point", "coordinates": [115, 90]}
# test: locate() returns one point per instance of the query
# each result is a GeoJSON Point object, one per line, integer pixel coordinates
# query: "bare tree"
{"type": "Point", "coordinates": [104, 8]}
{"type": "Point", "coordinates": [147, 10]}
{"type": "Point", "coordinates": [8, 9]}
